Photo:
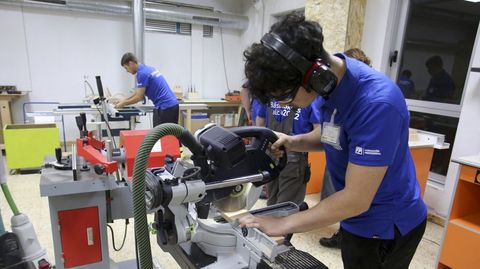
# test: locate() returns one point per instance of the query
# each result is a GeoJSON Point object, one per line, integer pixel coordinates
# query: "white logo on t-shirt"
{"type": "Point", "coordinates": [362, 151]}
{"type": "Point", "coordinates": [359, 150]}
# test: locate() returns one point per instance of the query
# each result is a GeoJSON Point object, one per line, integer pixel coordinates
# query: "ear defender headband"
{"type": "Point", "coordinates": [316, 75]}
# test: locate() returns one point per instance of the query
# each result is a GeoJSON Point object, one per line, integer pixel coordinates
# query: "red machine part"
{"type": "Point", "coordinates": [131, 141]}
{"type": "Point", "coordinates": [87, 148]}
{"type": "Point", "coordinates": [80, 236]}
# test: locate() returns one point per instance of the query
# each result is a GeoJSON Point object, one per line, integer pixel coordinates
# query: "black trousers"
{"type": "Point", "coordinates": [368, 253]}
{"type": "Point", "coordinates": [169, 115]}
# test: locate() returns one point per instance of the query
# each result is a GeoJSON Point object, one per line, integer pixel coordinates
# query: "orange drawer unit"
{"type": "Point", "coordinates": [80, 236]}
{"type": "Point", "coordinates": [461, 243]}
{"type": "Point", "coordinates": [462, 236]}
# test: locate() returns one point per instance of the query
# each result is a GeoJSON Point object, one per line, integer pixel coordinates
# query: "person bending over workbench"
{"type": "Point", "coordinates": [150, 83]}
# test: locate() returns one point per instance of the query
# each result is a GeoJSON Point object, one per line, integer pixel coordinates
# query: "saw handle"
{"type": "Point", "coordinates": [264, 136]}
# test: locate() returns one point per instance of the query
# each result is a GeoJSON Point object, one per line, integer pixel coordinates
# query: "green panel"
{"type": "Point", "coordinates": [26, 145]}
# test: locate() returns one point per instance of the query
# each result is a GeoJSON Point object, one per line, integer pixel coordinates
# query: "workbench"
{"type": "Point", "coordinates": [190, 106]}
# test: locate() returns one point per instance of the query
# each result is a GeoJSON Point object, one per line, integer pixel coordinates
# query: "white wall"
{"type": "Point", "coordinates": [171, 54]}
{"type": "Point", "coordinates": [261, 15]}
{"type": "Point", "coordinates": [196, 60]}
{"type": "Point", "coordinates": [376, 32]}
{"type": "Point", "coordinates": [48, 53]}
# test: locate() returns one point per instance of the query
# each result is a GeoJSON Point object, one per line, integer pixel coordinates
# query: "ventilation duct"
{"type": "Point", "coordinates": [169, 12]}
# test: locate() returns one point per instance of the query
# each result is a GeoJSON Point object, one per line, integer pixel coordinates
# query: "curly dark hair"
{"type": "Point", "coordinates": [268, 72]}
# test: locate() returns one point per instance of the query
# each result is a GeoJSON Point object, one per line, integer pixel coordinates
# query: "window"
{"type": "Point", "coordinates": [433, 65]}
{"type": "Point", "coordinates": [175, 27]}
{"type": "Point", "coordinates": [437, 47]}
{"type": "Point", "coordinates": [168, 27]}
{"type": "Point", "coordinates": [207, 31]}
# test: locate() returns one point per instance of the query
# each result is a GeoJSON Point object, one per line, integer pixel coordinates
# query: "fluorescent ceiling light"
{"type": "Point", "coordinates": [474, 1]}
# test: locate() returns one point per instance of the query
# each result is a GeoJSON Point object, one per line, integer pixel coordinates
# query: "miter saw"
{"type": "Point", "coordinates": [193, 203]}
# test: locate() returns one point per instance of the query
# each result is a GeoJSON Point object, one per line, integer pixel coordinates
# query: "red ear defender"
{"type": "Point", "coordinates": [317, 75]}
{"type": "Point", "coordinates": [308, 74]}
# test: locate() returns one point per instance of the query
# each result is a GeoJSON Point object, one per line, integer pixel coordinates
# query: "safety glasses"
{"type": "Point", "coordinates": [286, 97]}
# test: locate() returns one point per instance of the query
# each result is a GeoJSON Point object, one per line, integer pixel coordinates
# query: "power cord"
{"type": "Point", "coordinates": [223, 57]}
{"type": "Point", "coordinates": [113, 236]}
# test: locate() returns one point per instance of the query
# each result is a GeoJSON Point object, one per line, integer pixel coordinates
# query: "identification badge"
{"type": "Point", "coordinates": [331, 133]}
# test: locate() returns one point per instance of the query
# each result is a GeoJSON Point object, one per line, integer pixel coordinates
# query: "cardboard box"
{"type": "Point", "coordinates": [218, 119]}
{"type": "Point", "coordinates": [231, 120]}
{"type": "Point", "coordinates": [198, 121]}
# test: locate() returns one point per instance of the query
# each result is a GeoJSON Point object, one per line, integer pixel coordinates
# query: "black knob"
{"type": "Point", "coordinates": [244, 231]}
{"type": "Point", "coordinates": [83, 116]}
{"type": "Point", "coordinates": [99, 169]}
{"type": "Point", "coordinates": [58, 155]}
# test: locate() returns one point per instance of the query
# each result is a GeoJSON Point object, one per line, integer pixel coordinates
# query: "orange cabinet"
{"type": "Point", "coordinates": [462, 237]}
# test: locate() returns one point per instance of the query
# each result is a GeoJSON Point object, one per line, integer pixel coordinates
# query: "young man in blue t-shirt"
{"type": "Point", "coordinates": [364, 131]}
{"type": "Point", "coordinates": [291, 185]}
{"type": "Point", "coordinates": [150, 83]}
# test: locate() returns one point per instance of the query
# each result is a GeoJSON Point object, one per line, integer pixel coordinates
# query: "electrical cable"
{"type": "Point", "coordinates": [223, 57]}
{"type": "Point", "coordinates": [27, 50]}
{"type": "Point", "coordinates": [85, 84]}
{"type": "Point", "coordinates": [9, 198]}
{"type": "Point", "coordinates": [191, 173]}
{"type": "Point", "coordinates": [113, 236]}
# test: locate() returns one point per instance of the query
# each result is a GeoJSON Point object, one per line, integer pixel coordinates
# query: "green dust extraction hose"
{"type": "Point", "coordinates": [139, 169]}
{"type": "Point", "coordinates": [9, 198]}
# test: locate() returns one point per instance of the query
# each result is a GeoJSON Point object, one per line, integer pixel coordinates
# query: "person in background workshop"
{"type": "Point", "coordinates": [364, 131]}
{"type": "Point", "coordinates": [150, 83]}
{"type": "Point", "coordinates": [328, 188]}
{"type": "Point", "coordinates": [291, 185]}
{"type": "Point", "coordinates": [441, 87]}
{"type": "Point", "coordinates": [249, 103]}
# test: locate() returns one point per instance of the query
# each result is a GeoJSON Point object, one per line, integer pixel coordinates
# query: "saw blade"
{"type": "Point", "coordinates": [236, 200]}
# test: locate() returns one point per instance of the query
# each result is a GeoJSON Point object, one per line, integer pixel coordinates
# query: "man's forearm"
{"type": "Point", "coordinates": [335, 208]}
{"type": "Point", "coordinates": [131, 100]}
{"type": "Point", "coordinates": [307, 142]}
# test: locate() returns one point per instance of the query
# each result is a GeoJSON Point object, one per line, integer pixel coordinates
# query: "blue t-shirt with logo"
{"type": "Point", "coordinates": [374, 120]}
{"type": "Point", "coordinates": [156, 87]}
{"type": "Point", "coordinates": [256, 105]}
{"type": "Point", "coordinates": [303, 119]}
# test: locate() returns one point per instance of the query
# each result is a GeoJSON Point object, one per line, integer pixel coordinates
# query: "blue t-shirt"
{"type": "Point", "coordinates": [256, 105]}
{"type": "Point", "coordinates": [374, 121]}
{"type": "Point", "coordinates": [407, 86]}
{"type": "Point", "coordinates": [156, 87]}
{"type": "Point", "coordinates": [303, 119]}
{"type": "Point", "coordinates": [440, 88]}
